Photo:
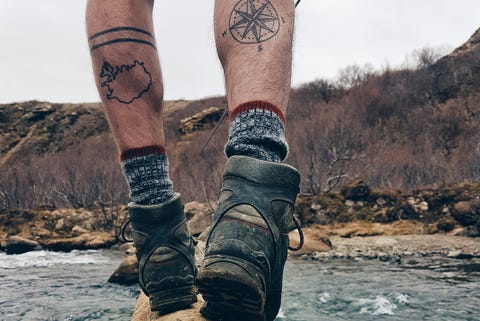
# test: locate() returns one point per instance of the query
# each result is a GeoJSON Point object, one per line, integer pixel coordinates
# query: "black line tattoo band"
{"type": "Point", "coordinates": [119, 40]}
{"type": "Point", "coordinates": [98, 34]}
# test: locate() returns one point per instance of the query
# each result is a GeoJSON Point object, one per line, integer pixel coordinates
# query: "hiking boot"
{"type": "Point", "coordinates": [241, 275]}
{"type": "Point", "coordinates": [165, 253]}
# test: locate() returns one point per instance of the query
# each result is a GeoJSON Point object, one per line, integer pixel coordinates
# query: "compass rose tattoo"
{"type": "Point", "coordinates": [254, 21]}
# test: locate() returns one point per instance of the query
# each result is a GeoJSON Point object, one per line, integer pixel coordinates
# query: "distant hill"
{"type": "Point", "coordinates": [395, 128]}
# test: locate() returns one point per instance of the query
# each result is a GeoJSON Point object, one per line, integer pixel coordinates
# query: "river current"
{"type": "Point", "coordinates": [50, 286]}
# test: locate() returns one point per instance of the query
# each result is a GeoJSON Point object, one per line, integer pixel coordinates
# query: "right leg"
{"type": "Point", "coordinates": [241, 275]}
{"type": "Point", "coordinates": [129, 81]}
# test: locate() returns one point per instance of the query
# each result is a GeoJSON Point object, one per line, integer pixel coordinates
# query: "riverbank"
{"type": "Point", "coordinates": [355, 211]}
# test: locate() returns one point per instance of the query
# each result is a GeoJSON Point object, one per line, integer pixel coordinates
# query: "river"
{"type": "Point", "coordinates": [52, 286]}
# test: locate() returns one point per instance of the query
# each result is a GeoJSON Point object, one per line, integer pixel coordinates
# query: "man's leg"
{"type": "Point", "coordinates": [254, 44]}
{"type": "Point", "coordinates": [127, 73]}
{"type": "Point", "coordinates": [241, 276]}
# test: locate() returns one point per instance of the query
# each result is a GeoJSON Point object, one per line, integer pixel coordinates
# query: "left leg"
{"type": "Point", "coordinates": [129, 81]}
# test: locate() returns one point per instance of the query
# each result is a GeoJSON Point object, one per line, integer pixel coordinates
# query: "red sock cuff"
{"type": "Point", "coordinates": [257, 104]}
{"type": "Point", "coordinates": [142, 151]}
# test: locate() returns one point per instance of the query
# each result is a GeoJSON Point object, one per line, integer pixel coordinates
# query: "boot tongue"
{"type": "Point", "coordinates": [156, 214]}
{"type": "Point", "coordinates": [263, 172]}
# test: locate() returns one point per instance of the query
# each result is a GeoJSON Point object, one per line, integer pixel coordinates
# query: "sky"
{"type": "Point", "coordinates": [44, 53]}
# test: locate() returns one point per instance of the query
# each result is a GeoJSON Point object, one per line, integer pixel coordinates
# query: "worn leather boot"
{"type": "Point", "coordinates": [241, 275]}
{"type": "Point", "coordinates": [165, 253]}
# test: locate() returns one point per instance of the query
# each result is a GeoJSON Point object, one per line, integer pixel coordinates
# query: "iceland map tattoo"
{"type": "Point", "coordinates": [127, 34]}
{"type": "Point", "coordinates": [117, 79]}
{"type": "Point", "coordinates": [253, 21]}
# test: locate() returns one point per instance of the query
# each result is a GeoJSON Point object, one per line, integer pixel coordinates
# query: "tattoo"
{"type": "Point", "coordinates": [253, 21]}
{"type": "Point", "coordinates": [98, 34]}
{"type": "Point", "coordinates": [107, 37]}
{"type": "Point", "coordinates": [116, 79]}
{"type": "Point", "coordinates": [106, 43]}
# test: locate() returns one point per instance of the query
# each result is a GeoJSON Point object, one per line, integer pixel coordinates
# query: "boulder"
{"type": "Point", "coordinates": [203, 120]}
{"type": "Point", "coordinates": [77, 230]}
{"type": "Point", "coordinates": [18, 245]}
{"type": "Point", "coordinates": [94, 240]}
{"type": "Point", "coordinates": [472, 231]}
{"type": "Point", "coordinates": [355, 190]}
{"type": "Point", "coordinates": [127, 271]}
{"type": "Point", "coordinates": [446, 224]}
{"type": "Point", "coordinates": [467, 212]}
{"type": "Point", "coordinates": [199, 216]}
{"type": "Point", "coordinates": [128, 248]}
{"type": "Point", "coordinates": [459, 255]}
{"type": "Point", "coordinates": [142, 312]}
{"type": "Point", "coordinates": [60, 224]}
{"type": "Point", "coordinates": [315, 241]}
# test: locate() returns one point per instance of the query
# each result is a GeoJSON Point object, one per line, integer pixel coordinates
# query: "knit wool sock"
{"type": "Point", "coordinates": [146, 171]}
{"type": "Point", "coordinates": [257, 130]}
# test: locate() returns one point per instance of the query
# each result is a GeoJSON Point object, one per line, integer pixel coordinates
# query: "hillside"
{"type": "Point", "coordinates": [395, 128]}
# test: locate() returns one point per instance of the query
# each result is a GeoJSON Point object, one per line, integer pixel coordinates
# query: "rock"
{"type": "Point", "coordinates": [423, 206]}
{"type": "Point", "coordinates": [127, 271]}
{"type": "Point", "coordinates": [459, 255]}
{"type": "Point", "coordinates": [446, 224]}
{"type": "Point", "coordinates": [467, 212]}
{"type": "Point", "coordinates": [459, 231]}
{"type": "Point", "coordinates": [142, 312]}
{"type": "Point", "coordinates": [356, 190]}
{"type": "Point", "coordinates": [199, 216]}
{"type": "Point", "coordinates": [77, 230]}
{"type": "Point", "coordinates": [411, 200]}
{"type": "Point", "coordinates": [469, 46]}
{"type": "Point", "coordinates": [60, 224]}
{"type": "Point", "coordinates": [94, 240]}
{"type": "Point", "coordinates": [128, 248]}
{"type": "Point", "coordinates": [381, 216]}
{"type": "Point", "coordinates": [18, 245]}
{"type": "Point", "coordinates": [315, 241]}
{"type": "Point", "coordinates": [381, 201]}
{"type": "Point", "coordinates": [317, 215]}
{"type": "Point", "coordinates": [203, 120]}
{"type": "Point", "coordinates": [42, 232]}
{"type": "Point", "coordinates": [472, 231]}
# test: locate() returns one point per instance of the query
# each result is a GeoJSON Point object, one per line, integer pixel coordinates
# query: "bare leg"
{"type": "Point", "coordinates": [129, 81]}
{"type": "Point", "coordinates": [127, 70]}
{"type": "Point", "coordinates": [128, 77]}
{"type": "Point", "coordinates": [254, 44]}
{"type": "Point", "coordinates": [241, 275]}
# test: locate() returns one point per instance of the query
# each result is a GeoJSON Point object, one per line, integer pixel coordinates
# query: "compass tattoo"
{"type": "Point", "coordinates": [254, 21]}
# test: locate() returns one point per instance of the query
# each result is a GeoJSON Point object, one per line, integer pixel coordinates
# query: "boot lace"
{"type": "Point", "coordinates": [300, 233]}
{"type": "Point", "coordinates": [124, 232]}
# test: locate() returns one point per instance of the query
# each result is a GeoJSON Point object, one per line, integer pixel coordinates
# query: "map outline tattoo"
{"type": "Point", "coordinates": [111, 73]}
{"type": "Point", "coordinates": [251, 24]}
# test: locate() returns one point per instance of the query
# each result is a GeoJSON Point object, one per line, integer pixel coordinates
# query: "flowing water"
{"type": "Point", "coordinates": [72, 286]}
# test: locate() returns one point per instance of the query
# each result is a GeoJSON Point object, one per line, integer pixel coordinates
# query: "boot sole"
{"type": "Point", "coordinates": [164, 302]}
{"type": "Point", "coordinates": [233, 289]}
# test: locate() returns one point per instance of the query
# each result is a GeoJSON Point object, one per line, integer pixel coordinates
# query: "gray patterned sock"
{"type": "Point", "coordinates": [146, 171]}
{"type": "Point", "coordinates": [257, 130]}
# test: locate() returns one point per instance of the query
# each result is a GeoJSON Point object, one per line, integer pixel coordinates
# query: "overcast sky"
{"type": "Point", "coordinates": [44, 53]}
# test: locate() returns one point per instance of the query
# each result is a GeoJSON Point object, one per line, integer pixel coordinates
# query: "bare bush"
{"type": "Point", "coordinates": [354, 75]}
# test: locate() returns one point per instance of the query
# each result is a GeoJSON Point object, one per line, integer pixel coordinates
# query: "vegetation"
{"type": "Point", "coordinates": [394, 128]}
